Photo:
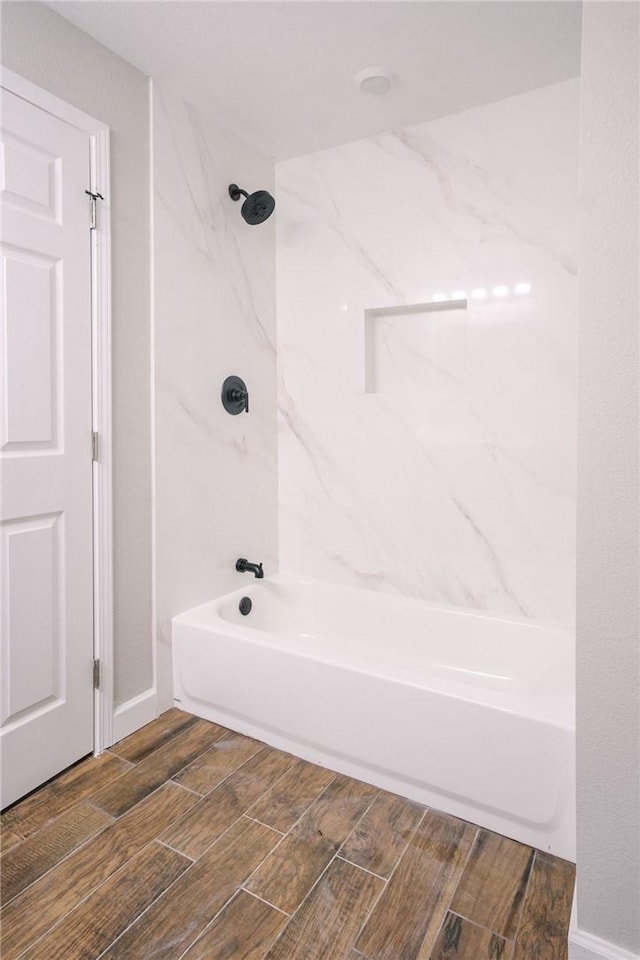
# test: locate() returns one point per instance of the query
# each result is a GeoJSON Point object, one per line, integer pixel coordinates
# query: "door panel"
{"type": "Point", "coordinates": [46, 650]}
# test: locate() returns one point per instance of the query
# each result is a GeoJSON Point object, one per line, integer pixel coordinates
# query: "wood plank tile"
{"type": "Point", "coordinates": [287, 875]}
{"type": "Point", "coordinates": [493, 884]}
{"type": "Point", "coordinates": [211, 768]}
{"type": "Point", "coordinates": [214, 814]}
{"type": "Point", "coordinates": [140, 744]}
{"type": "Point", "coordinates": [8, 839]}
{"type": "Point", "coordinates": [34, 911]}
{"type": "Point", "coordinates": [328, 921]}
{"type": "Point", "coordinates": [544, 924]}
{"type": "Point", "coordinates": [89, 929]}
{"type": "Point", "coordinates": [461, 940]}
{"type": "Point", "coordinates": [179, 916]}
{"type": "Point", "coordinates": [383, 833]}
{"type": "Point", "coordinates": [407, 919]}
{"type": "Point", "coordinates": [244, 930]}
{"type": "Point", "coordinates": [292, 795]}
{"type": "Point", "coordinates": [77, 783]}
{"type": "Point", "coordinates": [42, 850]}
{"type": "Point", "coordinates": [144, 777]}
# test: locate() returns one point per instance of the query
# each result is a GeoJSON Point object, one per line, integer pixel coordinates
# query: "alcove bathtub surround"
{"type": "Point", "coordinates": [214, 291]}
{"type": "Point", "coordinates": [431, 452]}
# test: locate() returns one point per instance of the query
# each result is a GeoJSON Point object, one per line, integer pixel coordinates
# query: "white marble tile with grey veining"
{"type": "Point", "coordinates": [447, 469]}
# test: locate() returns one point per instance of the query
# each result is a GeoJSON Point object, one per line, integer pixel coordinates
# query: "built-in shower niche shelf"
{"type": "Point", "coordinates": [402, 342]}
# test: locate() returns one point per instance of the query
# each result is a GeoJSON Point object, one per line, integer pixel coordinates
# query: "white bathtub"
{"type": "Point", "coordinates": [466, 712]}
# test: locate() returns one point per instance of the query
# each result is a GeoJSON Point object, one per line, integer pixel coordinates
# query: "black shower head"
{"type": "Point", "coordinates": [257, 207]}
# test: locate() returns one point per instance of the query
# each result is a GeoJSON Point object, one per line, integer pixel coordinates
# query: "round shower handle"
{"type": "Point", "coordinates": [235, 396]}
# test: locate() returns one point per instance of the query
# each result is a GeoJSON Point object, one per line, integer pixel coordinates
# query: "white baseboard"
{"type": "Point", "coordinates": [135, 713]}
{"type": "Point", "coordinates": [584, 946]}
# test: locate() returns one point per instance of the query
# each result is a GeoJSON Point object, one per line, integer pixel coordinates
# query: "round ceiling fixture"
{"type": "Point", "coordinates": [374, 80]}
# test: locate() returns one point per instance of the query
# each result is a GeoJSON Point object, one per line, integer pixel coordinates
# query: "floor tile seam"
{"type": "Point", "coordinates": [159, 786]}
{"type": "Point", "coordinates": [200, 796]}
{"type": "Point", "coordinates": [291, 829]}
{"type": "Point", "coordinates": [226, 776]}
{"type": "Point", "coordinates": [360, 867]}
{"type": "Point", "coordinates": [261, 822]}
{"type": "Point", "coordinates": [293, 825]}
{"type": "Point", "coordinates": [153, 754]}
{"type": "Point", "coordinates": [525, 896]}
{"type": "Point", "coordinates": [283, 837]}
{"type": "Point", "coordinates": [84, 799]}
{"type": "Point", "coordinates": [520, 908]}
{"type": "Point", "coordinates": [268, 902]}
{"type": "Point", "coordinates": [359, 820]}
{"type": "Point", "coordinates": [175, 850]}
{"type": "Point", "coordinates": [208, 926]}
{"type": "Point", "coordinates": [241, 815]}
{"type": "Point", "coordinates": [153, 902]}
{"type": "Point", "coordinates": [179, 729]}
{"type": "Point", "coordinates": [388, 881]}
{"type": "Point", "coordinates": [406, 846]}
{"type": "Point", "coordinates": [447, 908]}
{"type": "Point", "coordinates": [45, 826]}
{"type": "Point", "coordinates": [170, 776]}
{"type": "Point", "coordinates": [316, 882]}
{"type": "Point", "coordinates": [309, 805]}
{"type": "Point", "coordinates": [89, 894]}
{"type": "Point", "coordinates": [59, 863]}
{"type": "Point", "coordinates": [376, 901]}
{"type": "Point", "coordinates": [480, 926]}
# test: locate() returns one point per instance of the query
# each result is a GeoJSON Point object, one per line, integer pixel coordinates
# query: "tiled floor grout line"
{"type": "Point", "coordinates": [261, 822]}
{"type": "Point", "coordinates": [378, 876]}
{"type": "Point", "coordinates": [268, 902]}
{"type": "Point", "coordinates": [69, 913]}
{"type": "Point", "coordinates": [494, 933]}
{"type": "Point", "coordinates": [323, 872]}
{"type": "Point", "coordinates": [453, 892]}
{"type": "Point", "coordinates": [175, 850]}
{"type": "Point", "coordinates": [62, 859]}
{"type": "Point", "coordinates": [291, 828]}
{"type": "Point", "coordinates": [386, 883]}
{"type": "Point", "coordinates": [525, 895]}
{"type": "Point", "coordinates": [175, 783]}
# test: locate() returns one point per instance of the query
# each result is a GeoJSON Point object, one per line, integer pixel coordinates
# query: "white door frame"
{"type": "Point", "coordinates": [99, 182]}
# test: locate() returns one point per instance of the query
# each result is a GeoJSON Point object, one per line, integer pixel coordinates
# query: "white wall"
{"type": "Point", "coordinates": [214, 305]}
{"type": "Point", "coordinates": [447, 472]}
{"type": "Point", "coordinates": [50, 52]}
{"type": "Point", "coordinates": [608, 717]}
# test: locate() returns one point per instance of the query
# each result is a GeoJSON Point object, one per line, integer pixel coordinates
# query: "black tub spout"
{"type": "Point", "coordinates": [243, 566]}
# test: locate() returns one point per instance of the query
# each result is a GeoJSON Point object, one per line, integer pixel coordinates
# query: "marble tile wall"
{"type": "Point", "coordinates": [214, 293]}
{"type": "Point", "coordinates": [432, 452]}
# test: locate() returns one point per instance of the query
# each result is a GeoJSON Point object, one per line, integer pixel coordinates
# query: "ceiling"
{"type": "Point", "coordinates": [280, 74]}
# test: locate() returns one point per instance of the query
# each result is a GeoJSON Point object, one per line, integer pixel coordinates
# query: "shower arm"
{"type": "Point", "coordinates": [235, 192]}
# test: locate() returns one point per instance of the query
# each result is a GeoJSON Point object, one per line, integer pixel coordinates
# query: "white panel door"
{"type": "Point", "coordinates": [46, 649]}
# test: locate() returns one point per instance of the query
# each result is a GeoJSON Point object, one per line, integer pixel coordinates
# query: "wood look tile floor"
{"type": "Point", "coordinates": [187, 840]}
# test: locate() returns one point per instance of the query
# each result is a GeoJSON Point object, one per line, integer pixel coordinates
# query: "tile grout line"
{"type": "Point", "coordinates": [388, 880]}
{"type": "Point", "coordinates": [500, 936]}
{"type": "Point", "coordinates": [290, 830]}
{"type": "Point", "coordinates": [525, 895]}
{"type": "Point", "coordinates": [261, 822]}
{"type": "Point", "coordinates": [453, 892]}
{"type": "Point", "coordinates": [175, 850]}
{"type": "Point", "coordinates": [323, 872]}
{"type": "Point", "coordinates": [66, 857]}
{"type": "Point", "coordinates": [360, 867]}
{"type": "Point", "coordinates": [81, 902]}
{"type": "Point", "coordinates": [268, 903]}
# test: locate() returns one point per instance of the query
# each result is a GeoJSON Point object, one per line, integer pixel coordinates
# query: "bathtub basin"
{"type": "Point", "coordinates": [467, 712]}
